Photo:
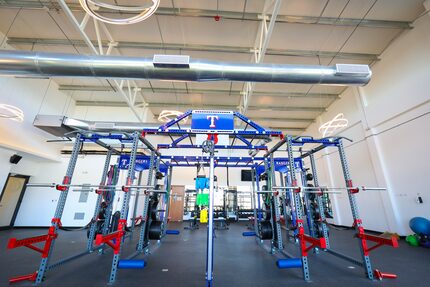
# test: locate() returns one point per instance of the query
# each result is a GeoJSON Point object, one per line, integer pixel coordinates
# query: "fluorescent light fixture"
{"type": "Point", "coordinates": [11, 112]}
{"type": "Point", "coordinates": [145, 11]}
{"type": "Point", "coordinates": [338, 122]}
{"type": "Point", "coordinates": [168, 115]}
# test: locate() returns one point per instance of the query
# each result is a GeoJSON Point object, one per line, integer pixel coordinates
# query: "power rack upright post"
{"type": "Point", "coordinates": [52, 235]}
{"type": "Point", "coordinates": [115, 239]}
{"type": "Point", "coordinates": [319, 196]}
{"type": "Point", "coordinates": [320, 240]}
{"type": "Point", "coordinates": [56, 221]}
{"type": "Point", "coordinates": [93, 227]}
{"type": "Point", "coordinates": [213, 124]}
{"type": "Point", "coordinates": [151, 180]}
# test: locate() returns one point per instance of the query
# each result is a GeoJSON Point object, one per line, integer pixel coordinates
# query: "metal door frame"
{"type": "Point", "coordinates": [21, 196]}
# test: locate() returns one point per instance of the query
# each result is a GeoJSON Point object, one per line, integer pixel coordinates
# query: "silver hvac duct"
{"type": "Point", "coordinates": [174, 68]}
{"type": "Point", "coordinates": [62, 125]}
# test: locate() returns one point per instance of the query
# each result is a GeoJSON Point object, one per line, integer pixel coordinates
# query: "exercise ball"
{"type": "Point", "coordinates": [420, 225]}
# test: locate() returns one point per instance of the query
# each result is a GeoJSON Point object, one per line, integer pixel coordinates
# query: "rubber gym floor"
{"type": "Point", "coordinates": [239, 261]}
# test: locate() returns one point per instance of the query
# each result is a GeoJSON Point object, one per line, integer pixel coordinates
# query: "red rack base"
{"type": "Point", "coordinates": [30, 277]}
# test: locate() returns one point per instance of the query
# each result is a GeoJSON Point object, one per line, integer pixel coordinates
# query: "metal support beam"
{"type": "Point", "coordinates": [210, 238]}
{"type": "Point", "coordinates": [202, 106]}
{"type": "Point", "coordinates": [283, 127]}
{"type": "Point", "coordinates": [167, 197]}
{"type": "Point", "coordinates": [298, 207]}
{"type": "Point", "coordinates": [200, 91]}
{"type": "Point", "coordinates": [93, 228]}
{"type": "Point", "coordinates": [192, 47]}
{"type": "Point", "coordinates": [261, 44]}
{"type": "Point", "coordinates": [294, 120]}
{"type": "Point", "coordinates": [122, 224]}
{"type": "Point", "coordinates": [145, 222]}
{"type": "Point", "coordinates": [358, 224]}
{"type": "Point", "coordinates": [225, 15]}
{"type": "Point", "coordinates": [56, 221]}
{"type": "Point", "coordinates": [132, 89]}
{"type": "Point", "coordinates": [277, 213]}
{"type": "Point", "coordinates": [320, 201]}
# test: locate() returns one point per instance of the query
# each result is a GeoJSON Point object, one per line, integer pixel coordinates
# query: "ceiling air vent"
{"type": "Point", "coordinates": [102, 125]}
{"type": "Point", "coordinates": [352, 70]}
{"type": "Point", "coordinates": [171, 61]}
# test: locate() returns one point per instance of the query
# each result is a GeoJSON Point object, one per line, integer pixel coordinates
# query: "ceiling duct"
{"type": "Point", "coordinates": [174, 68]}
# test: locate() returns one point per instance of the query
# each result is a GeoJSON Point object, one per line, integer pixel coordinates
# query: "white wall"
{"type": "Point", "coordinates": [38, 205]}
{"type": "Point", "coordinates": [32, 96]}
{"type": "Point", "coordinates": [389, 121]}
{"type": "Point", "coordinates": [4, 166]}
{"type": "Point", "coordinates": [113, 114]}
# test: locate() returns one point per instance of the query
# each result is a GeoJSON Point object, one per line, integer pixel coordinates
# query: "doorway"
{"type": "Point", "coordinates": [176, 211]}
{"type": "Point", "coordinates": [11, 198]}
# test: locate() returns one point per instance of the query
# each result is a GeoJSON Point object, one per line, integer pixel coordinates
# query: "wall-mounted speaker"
{"type": "Point", "coordinates": [15, 159]}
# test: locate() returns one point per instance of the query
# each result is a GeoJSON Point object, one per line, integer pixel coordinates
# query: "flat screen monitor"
{"type": "Point", "coordinates": [246, 175]}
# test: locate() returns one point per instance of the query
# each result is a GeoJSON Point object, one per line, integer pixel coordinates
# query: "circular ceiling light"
{"type": "Point", "coordinates": [144, 11]}
{"type": "Point", "coordinates": [333, 125]}
{"type": "Point", "coordinates": [11, 112]}
{"type": "Point", "coordinates": [166, 116]}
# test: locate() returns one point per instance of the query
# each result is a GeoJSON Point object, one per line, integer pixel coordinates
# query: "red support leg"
{"type": "Point", "coordinates": [379, 275]}
{"type": "Point", "coordinates": [29, 277]}
{"type": "Point", "coordinates": [315, 242]}
{"type": "Point", "coordinates": [28, 242]}
{"type": "Point", "coordinates": [113, 239]}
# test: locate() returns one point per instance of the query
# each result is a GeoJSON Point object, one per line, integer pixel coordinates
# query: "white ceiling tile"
{"type": "Point", "coordinates": [370, 40]}
{"type": "Point", "coordinates": [290, 102]}
{"type": "Point", "coordinates": [301, 7]}
{"type": "Point", "coordinates": [396, 10]}
{"type": "Point", "coordinates": [206, 31]}
{"type": "Point", "coordinates": [283, 114]}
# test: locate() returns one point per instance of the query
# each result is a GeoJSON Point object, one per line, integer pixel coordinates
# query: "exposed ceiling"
{"type": "Point", "coordinates": [305, 32]}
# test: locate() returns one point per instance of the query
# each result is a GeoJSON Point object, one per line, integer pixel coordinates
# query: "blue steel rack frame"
{"type": "Point", "coordinates": [255, 132]}
{"type": "Point", "coordinates": [246, 138]}
{"type": "Point", "coordinates": [241, 136]}
{"type": "Point", "coordinates": [361, 236]}
{"type": "Point", "coordinates": [49, 239]}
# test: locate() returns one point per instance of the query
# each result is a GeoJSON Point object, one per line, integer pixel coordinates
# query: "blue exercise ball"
{"type": "Point", "coordinates": [420, 225]}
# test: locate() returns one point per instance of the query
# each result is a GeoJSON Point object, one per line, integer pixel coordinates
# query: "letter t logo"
{"type": "Point", "coordinates": [212, 119]}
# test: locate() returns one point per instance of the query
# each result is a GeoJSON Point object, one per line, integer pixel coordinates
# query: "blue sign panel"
{"type": "Point", "coordinates": [142, 162]}
{"type": "Point", "coordinates": [282, 164]}
{"type": "Point", "coordinates": [212, 121]}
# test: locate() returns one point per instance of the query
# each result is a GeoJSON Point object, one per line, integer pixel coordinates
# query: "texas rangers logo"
{"type": "Point", "coordinates": [212, 118]}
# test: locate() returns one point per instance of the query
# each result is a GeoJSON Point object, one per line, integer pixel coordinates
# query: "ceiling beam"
{"type": "Point", "coordinates": [286, 109]}
{"type": "Point", "coordinates": [264, 119]}
{"type": "Point", "coordinates": [131, 93]}
{"type": "Point", "coordinates": [230, 15]}
{"type": "Point", "coordinates": [286, 128]}
{"type": "Point", "coordinates": [146, 90]}
{"type": "Point", "coordinates": [261, 44]}
{"type": "Point", "coordinates": [292, 120]}
{"type": "Point", "coordinates": [195, 47]}
{"type": "Point", "coordinates": [200, 106]}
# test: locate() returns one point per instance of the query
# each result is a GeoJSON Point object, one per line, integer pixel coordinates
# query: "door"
{"type": "Point", "coordinates": [11, 198]}
{"type": "Point", "coordinates": [176, 210]}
